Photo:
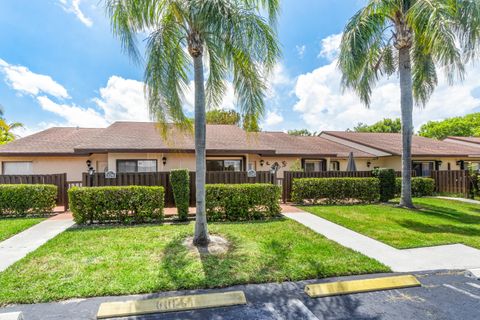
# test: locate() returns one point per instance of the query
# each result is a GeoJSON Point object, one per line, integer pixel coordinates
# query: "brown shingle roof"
{"type": "Point", "coordinates": [285, 144]}
{"type": "Point", "coordinates": [144, 136]}
{"type": "Point", "coordinates": [474, 140]}
{"type": "Point", "coordinates": [392, 143]}
{"type": "Point", "coordinates": [55, 140]}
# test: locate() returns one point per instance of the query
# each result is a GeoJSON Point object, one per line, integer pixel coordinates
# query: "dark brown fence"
{"type": "Point", "coordinates": [60, 180]}
{"type": "Point", "coordinates": [455, 181]}
{"type": "Point", "coordinates": [163, 179]}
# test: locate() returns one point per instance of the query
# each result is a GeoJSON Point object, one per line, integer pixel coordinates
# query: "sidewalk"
{"type": "Point", "coordinates": [18, 246]}
{"type": "Point", "coordinates": [451, 257]}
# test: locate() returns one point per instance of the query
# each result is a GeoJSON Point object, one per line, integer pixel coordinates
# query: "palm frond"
{"type": "Point", "coordinates": [424, 75]}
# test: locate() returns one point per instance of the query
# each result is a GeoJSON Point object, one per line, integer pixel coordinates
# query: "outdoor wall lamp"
{"type": "Point", "coordinates": [261, 163]}
{"type": "Point", "coordinates": [164, 160]}
{"type": "Point", "coordinates": [89, 163]}
{"type": "Point", "coordinates": [369, 164]}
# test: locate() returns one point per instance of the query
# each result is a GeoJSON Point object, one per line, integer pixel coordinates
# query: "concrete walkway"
{"type": "Point", "coordinates": [460, 199]}
{"type": "Point", "coordinates": [18, 246]}
{"type": "Point", "coordinates": [451, 257]}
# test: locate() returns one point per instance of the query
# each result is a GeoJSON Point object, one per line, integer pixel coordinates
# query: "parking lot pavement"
{"type": "Point", "coordinates": [443, 295]}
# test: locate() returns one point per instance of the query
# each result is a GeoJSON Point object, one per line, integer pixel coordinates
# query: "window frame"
{"type": "Point", "coordinates": [19, 174]}
{"type": "Point", "coordinates": [241, 159]}
{"type": "Point", "coordinates": [136, 165]}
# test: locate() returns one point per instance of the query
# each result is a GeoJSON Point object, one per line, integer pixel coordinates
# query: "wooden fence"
{"type": "Point", "coordinates": [163, 179]}
{"type": "Point", "coordinates": [454, 181]}
{"type": "Point", "coordinates": [60, 180]}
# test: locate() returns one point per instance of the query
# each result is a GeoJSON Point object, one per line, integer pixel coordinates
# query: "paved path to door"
{"type": "Point", "coordinates": [460, 199]}
{"type": "Point", "coordinates": [451, 257]}
{"type": "Point", "coordinates": [18, 246]}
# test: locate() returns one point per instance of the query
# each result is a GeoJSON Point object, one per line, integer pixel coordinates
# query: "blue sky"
{"type": "Point", "coordinates": [60, 65]}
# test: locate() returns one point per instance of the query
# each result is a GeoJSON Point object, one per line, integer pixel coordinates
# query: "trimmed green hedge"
{"type": "Point", "coordinates": [180, 180]}
{"type": "Point", "coordinates": [335, 190]}
{"type": "Point", "coordinates": [386, 178]}
{"type": "Point", "coordinates": [421, 187]}
{"type": "Point", "coordinates": [241, 202]}
{"type": "Point", "coordinates": [131, 204]}
{"type": "Point", "coordinates": [23, 199]}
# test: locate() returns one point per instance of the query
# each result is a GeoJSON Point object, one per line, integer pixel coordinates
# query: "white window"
{"type": "Point", "coordinates": [131, 166]}
{"type": "Point", "coordinates": [17, 167]}
{"type": "Point", "coordinates": [313, 165]}
{"type": "Point", "coordinates": [334, 166]}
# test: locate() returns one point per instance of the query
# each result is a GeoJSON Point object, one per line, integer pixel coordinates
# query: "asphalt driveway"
{"type": "Point", "coordinates": [443, 295]}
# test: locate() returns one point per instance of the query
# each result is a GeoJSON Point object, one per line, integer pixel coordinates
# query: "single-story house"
{"type": "Point", "coordinates": [139, 147]}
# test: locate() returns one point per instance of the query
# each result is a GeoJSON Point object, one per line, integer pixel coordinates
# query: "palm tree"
{"type": "Point", "coordinates": [413, 38]}
{"type": "Point", "coordinates": [230, 35]}
{"type": "Point", "coordinates": [6, 129]}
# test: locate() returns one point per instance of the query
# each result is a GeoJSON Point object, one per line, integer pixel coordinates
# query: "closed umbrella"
{"type": "Point", "coordinates": [351, 166]}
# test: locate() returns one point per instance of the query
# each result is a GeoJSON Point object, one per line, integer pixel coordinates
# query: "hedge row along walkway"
{"type": "Point", "coordinates": [446, 257]}
{"type": "Point", "coordinates": [18, 246]}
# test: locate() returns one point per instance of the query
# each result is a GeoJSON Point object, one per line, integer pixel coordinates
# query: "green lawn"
{"type": "Point", "coordinates": [436, 222]}
{"type": "Point", "coordinates": [12, 226]}
{"type": "Point", "coordinates": [125, 260]}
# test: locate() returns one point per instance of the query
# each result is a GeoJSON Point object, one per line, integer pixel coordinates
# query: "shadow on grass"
{"type": "Point", "coordinates": [436, 228]}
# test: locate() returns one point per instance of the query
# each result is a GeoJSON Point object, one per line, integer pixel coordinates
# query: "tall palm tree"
{"type": "Point", "coordinates": [413, 38]}
{"type": "Point", "coordinates": [230, 35]}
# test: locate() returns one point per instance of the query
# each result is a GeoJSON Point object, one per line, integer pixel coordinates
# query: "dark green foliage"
{"type": "Point", "coordinates": [180, 181]}
{"type": "Point", "coordinates": [385, 125]}
{"type": "Point", "coordinates": [242, 202]}
{"type": "Point", "coordinates": [386, 178]}
{"type": "Point", "coordinates": [464, 126]}
{"type": "Point", "coordinates": [335, 190]}
{"type": "Point", "coordinates": [23, 199]}
{"type": "Point", "coordinates": [132, 204]}
{"type": "Point", "coordinates": [219, 116]}
{"type": "Point", "coordinates": [421, 187]}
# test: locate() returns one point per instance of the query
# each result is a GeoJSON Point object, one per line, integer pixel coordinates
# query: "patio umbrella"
{"type": "Point", "coordinates": [351, 166]}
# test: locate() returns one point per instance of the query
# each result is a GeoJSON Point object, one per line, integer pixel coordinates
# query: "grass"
{"type": "Point", "coordinates": [436, 222]}
{"type": "Point", "coordinates": [101, 261]}
{"type": "Point", "coordinates": [11, 226]}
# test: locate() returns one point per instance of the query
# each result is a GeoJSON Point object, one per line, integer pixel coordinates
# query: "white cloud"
{"type": "Point", "coordinates": [330, 46]}
{"type": "Point", "coordinates": [323, 105]}
{"type": "Point", "coordinates": [273, 118]}
{"type": "Point", "coordinates": [301, 50]}
{"type": "Point", "coordinates": [23, 80]}
{"type": "Point", "coordinates": [73, 6]}
{"type": "Point", "coordinates": [74, 115]}
{"type": "Point", "coordinates": [123, 99]}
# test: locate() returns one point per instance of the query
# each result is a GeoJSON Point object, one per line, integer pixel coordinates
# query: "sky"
{"type": "Point", "coordinates": [61, 66]}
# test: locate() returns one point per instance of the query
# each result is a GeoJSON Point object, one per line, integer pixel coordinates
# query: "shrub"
{"type": "Point", "coordinates": [386, 179]}
{"type": "Point", "coordinates": [335, 190]}
{"type": "Point", "coordinates": [421, 187]}
{"type": "Point", "coordinates": [23, 199]}
{"type": "Point", "coordinates": [241, 202]}
{"type": "Point", "coordinates": [132, 204]}
{"type": "Point", "coordinates": [180, 181]}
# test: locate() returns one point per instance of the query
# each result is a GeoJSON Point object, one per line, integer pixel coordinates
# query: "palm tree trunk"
{"type": "Point", "coordinates": [201, 231]}
{"type": "Point", "coordinates": [406, 102]}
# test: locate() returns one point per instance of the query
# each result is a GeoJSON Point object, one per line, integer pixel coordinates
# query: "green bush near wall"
{"type": "Point", "coordinates": [387, 182]}
{"type": "Point", "coordinates": [180, 180]}
{"type": "Point", "coordinates": [335, 190]}
{"type": "Point", "coordinates": [421, 187]}
{"type": "Point", "coordinates": [130, 204]}
{"type": "Point", "coordinates": [23, 199]}
{"type": "Point", "coordinates": [242, 202]}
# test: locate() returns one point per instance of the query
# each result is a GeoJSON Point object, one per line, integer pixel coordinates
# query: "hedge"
{"type": "Point", "coordinates": [335, 190]}
{"type": "Point", "coordinates": [180, 180]}
{"type": "Point", "coordinates": [23, 199]}
{"type": "Point", "coordinates": [242, 202]}
{"type": "Point", "coordinates": [387, 181]}
{"type": "Point", "coordinates": [130, 204]}
{"type": "Point", "coordinates": [421, 187]}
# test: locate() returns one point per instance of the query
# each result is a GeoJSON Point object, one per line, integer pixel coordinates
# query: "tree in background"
{"type": "Point", "coordinates": [410, 38]}
{"type": "Point", "coordinates": [466, 126]}
{"type": "Point", "coordinates": [235, 39]}
{"type": "Point", "coordinates": [302, 133]}
{"type": "Point", "coordinates": [6, 129]}
{"type": "Point", "coordinates": [219, 116]}
{"type": "Point", "coordinates": [386, 126]}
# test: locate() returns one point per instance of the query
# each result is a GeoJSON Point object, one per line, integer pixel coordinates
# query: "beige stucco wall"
{"type": "Point", "coordinates": [72, 166]}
